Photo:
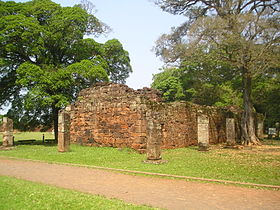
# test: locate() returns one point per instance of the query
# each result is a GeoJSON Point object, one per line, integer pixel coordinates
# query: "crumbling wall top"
{"type": "Point", "coordinates": [122, 90]}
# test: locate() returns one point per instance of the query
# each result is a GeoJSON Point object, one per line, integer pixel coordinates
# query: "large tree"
{"type": "Point", "coordinates": [242, 33]}
{"type": "Point", "coordinates": [266, 96]}
{"type": "Point", "coordinates": [200, 79]}
{"type": "Point", "coordinates": [45, 60]}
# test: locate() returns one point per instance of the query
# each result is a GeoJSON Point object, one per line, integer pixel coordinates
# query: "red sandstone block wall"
{"type": "Point", "coordinates": [180, 124]}
{"type": "Point", "coordinates": [109, 116]}
{"type": "Point", "coordinates": [117, 116]}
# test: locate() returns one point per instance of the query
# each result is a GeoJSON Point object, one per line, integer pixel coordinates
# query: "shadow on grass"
{"type": "Point", "coordinates": [46, 143]}
{"type": "Point", "coordinates": [193, 148]}
{"type": "Point", "coordinates": [274, 142]}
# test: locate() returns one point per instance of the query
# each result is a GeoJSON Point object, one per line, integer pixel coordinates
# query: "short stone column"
{"type": "Point", "coordinates": [230, 131]}
{"type": "Point", "coordinates": [203, 132]}
{"type": "Point", "coordinates": [63, 132]}
{"type": "Point", "coordinates": [154, 138]}
{"type": "Point", "coordinates": [8, 132]}
{"type": "Point", "coordinates": [260, 127]}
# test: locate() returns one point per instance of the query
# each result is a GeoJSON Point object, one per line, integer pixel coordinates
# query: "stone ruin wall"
{"type": "Point", "coordinates": [180, 124]}
{"type": "Point", "coordinates": [117, 116]}
{"type": "Point", "coordinates": [111, 115]}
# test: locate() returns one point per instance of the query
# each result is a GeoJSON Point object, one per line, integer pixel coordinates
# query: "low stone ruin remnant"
{"type": "Point", "coordinates": [154, 137]}
{"type": "Point", "coordinates": [115, 115]}
{"type": "Point", "coordinates": [230, 131]}
{"type": "Point", "coordinates": [203, 132]}
{"type": "Point", "coordinates": [64, 132]}
{"type": "Point", "coordinates": [8, 139]}
{"type": "Point", "coordinates": [260, 128]}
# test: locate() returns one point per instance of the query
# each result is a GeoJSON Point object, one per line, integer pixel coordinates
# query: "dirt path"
{"type": "Point", "coordinates": [157, 192]}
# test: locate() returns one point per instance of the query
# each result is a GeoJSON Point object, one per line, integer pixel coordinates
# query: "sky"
{"type": "Point", "coordinates": [137, 24]}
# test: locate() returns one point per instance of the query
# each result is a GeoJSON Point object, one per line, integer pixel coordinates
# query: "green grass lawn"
{"type": "Point", "coordinates": [24, 195]}
{"type": "Point", "coordinates": [254, 166]}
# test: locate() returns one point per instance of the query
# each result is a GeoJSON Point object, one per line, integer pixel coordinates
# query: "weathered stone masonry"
{"type": "Point", "coordinates": [8, 132]}
{"type": "Point", "coordinates": [64, 131]}
{"type": "Point", "coordinates": [117, 116]}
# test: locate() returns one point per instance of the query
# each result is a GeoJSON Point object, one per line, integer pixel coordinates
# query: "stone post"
{"type": "Point", "coordinates": [153, 141]}
{"type": "Point", "coordinates": [154, 136]}
{"type": "Point", "coordinates": [260, 127]}
{"type": "Point", "coordinates": [230, 131]}
{"type": "Point", "coordinates": [8, 132]}
{"type": "Point", "coordinates": [203, 132]}
{"type": "Point", "coordinates": [63, 132]}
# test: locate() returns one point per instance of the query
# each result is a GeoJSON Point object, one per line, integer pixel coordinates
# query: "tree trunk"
{"type": "Point", "coordinates": [55, 123]}
{"type": "Point", "coordinates": [248, 126]}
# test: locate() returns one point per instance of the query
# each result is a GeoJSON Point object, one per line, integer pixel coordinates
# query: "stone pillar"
{"type": "Point", "coordinates": [154, 138]}
{"type": "Point", "coordinates": [7, 132]}
{"type": "Point", "coordinates": [203, 132]}
{"type": "Point", "coordinates": [230, 131]}
{"type": "Point", "coordinates": [260, 127]}
{"type": "Point", "coordinates": [64, 132]}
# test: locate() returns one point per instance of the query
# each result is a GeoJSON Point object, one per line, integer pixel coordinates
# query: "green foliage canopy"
{"type": "Point", "coordinates": [45, 59]}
